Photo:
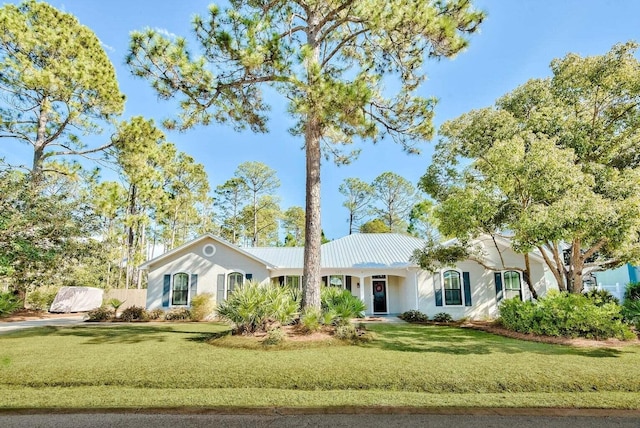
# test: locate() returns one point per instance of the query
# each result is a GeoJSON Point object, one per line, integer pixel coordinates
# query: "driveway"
{"type": "Point", "coordinates": [44, 322]}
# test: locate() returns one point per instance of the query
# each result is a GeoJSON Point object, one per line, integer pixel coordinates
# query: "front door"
{"type": "Point", "coordinates": [379, 296]}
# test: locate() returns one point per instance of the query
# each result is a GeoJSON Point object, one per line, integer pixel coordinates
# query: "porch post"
{"type": "Point", "coordinates": [361, 289]}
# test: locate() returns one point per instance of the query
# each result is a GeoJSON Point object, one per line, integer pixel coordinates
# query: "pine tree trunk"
{"type": "Point", "coordinates": [313, 227]}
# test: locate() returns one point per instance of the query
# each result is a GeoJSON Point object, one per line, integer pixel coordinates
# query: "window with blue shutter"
{"type": "Point", "coordinates": [498, 279]}
{"type": "Point", "coordinates": [166, 290]}
{"type": "Point", "coordinates": [466, 282]}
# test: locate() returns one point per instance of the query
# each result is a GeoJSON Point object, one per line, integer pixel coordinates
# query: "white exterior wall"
{"type": "Point", "coordinates": [483, 294]}
{"type": "Point", "coordinates": [191, 260]}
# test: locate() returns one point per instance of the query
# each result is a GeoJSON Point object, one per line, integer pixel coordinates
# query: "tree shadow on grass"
{"type": "Point", "coordinates": [458, 341]}
{"type": "Point", "coordinates": [113, 333]}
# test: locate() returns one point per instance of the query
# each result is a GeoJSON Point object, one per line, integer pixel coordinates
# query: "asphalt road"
{"type": "Point", "coordinates": [108, 420]}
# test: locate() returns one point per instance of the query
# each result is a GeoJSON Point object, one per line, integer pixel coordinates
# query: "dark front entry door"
{"type": "Point", "coordinates": [379, 296]}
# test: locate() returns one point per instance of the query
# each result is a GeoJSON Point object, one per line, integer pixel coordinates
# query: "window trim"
{"type": "Point", "coordinates": [443, 288]}
{"type": "Point", "coordinates": [520, 290]}
{"type": "Point", "coordinates": [171, 289]}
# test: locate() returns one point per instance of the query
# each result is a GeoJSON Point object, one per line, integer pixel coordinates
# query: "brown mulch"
{"type": "Point", "coordinates": [29, 314]}
{"type": "Point", "coordinates": [295, 334]}
{"type": "Point", "coordinates": [494, 328]}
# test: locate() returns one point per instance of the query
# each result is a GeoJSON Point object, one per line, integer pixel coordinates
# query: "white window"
{"type": "Point", "coordinates": [452, 288]}
{"type": "Point", "coordinates": [180, 289]}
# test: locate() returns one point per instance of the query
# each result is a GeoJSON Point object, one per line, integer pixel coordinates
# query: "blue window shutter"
{"type": "Point", "coordinates": [466, 282]}
{"type": "Point", "coordinates": [498, 278]}
{"type": "Point", "coordinates": [166, 290]}
{"type": "Point", "coordinates": [194, 286]}
{"type": "Point", "coordinates": [249, 276]}
{"type": "Point", "coordinates": [220, 288]}
{"type": "Point", "coordinates": [438, 296]}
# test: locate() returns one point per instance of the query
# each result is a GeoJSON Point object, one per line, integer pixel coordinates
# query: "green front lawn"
{"type": "Point", "coordinates": [168, 365]}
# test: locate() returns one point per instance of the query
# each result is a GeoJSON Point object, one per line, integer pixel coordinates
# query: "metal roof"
{"type": "Point", "coordinates": [361, 250]}
{"type": "Point", "coordinates": [370, 250]}
{"type": "Point", "coordinates": [282, 257]}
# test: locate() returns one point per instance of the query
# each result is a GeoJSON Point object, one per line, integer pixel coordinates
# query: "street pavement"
{"type": "Point", "coordinates": [121, 420]}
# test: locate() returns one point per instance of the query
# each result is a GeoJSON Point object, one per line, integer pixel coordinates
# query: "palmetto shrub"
{"type": "Point", "coordinates": [601, 297]}
{"type": "Point", "coordinates": [341, 305]}
{"type": "Point", "coordinates": [9, 303]}
{"type": "Point", "coordinates": [257, 308]}
{"type": "Point", "coordinates": [567, 315]}
{"type": "Point", "coordinates": [632, 291]}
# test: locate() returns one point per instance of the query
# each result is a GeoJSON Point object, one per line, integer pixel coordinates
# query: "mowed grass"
{"type": "Point", "coordinates": [174, 365]}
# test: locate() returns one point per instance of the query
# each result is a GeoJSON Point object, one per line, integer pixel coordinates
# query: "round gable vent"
{"type": "Point", "coordinates": [209, 250]}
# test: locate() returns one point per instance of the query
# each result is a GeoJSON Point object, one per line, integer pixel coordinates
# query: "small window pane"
{"type": "Point", "coordinates": [452, 288]}
{"type": "Point", "coordinates": [512, 280]}
{"type": "Point", "coordinates": [293, 282]}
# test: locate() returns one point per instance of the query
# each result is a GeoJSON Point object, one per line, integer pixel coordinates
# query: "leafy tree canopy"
{"type": "Point", "coordinates": [554, 165]}
{"type": "Point", "coordinates": [56, 81]}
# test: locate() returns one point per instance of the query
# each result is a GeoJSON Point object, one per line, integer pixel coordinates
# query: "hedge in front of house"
{"type": "Point", "coordinates": [565, 315]}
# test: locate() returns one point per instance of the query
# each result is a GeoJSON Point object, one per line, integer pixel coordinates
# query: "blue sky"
{"type": "Point", "coordinates": [516, 43]}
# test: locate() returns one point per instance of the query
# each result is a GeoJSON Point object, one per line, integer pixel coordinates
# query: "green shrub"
{"type": "Point", "coordinates": [565, 315]}
{"type": "Point", "coordinates": [100, 314]}
{"type": "Point", "coordinates": [115, 304]}
{"type": "Point", "coordinates": [253, 307]}
{"type": "Point", "coordinates": [346, 332]}
{"type": "Point", "coordinates": [414, 315]}
{"type": "Point", "coordinates": [311, 320]}
{"type": "Point", "coordinates": [275, 336]}
{"type": "Point", "coordinates": [9, 303]}
{"type": "Point", "coordinates": [601, 297]}
{"type": "Point", "coordinates": [631, 311]}
{"type": "Point", "coordinates": [341, 304]}
{"type": "Point", "coordinates": [442, 317]}
{"type": "Point", "coordinates": [134, 313]}
{"type": "Point", "coordinates": [182, 314]}
{"type": "Point", "coordinates": [201, 306]}
{"type": "Point", "coordinates": [155, 314]}
{"type": "Point", "coordinates": [632, 291]}
{"type": "Point", "coordinates": [41, 298]}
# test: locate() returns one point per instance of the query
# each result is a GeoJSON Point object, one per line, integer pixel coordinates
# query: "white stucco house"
{"type": "Point", "coordinates": [374, 267]}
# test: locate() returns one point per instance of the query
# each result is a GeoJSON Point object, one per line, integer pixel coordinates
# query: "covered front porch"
{"type": "Point", "coordinates": [388, 293]}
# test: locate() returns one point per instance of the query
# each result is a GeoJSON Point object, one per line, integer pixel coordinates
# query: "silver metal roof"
{"type": "Point", "coordinates": [361, 250]}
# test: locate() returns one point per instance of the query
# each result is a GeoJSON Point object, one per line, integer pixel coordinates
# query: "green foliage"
{"type": "Point", "coordinates": [543, 157]}
{"type": "Point", "coordinates": [103, 313]}
{"type": "Point", "coordinates": [341, 304]}
{"type": "Point", "coordinates": [115, 304]}
{"type": "Point", "coordinates": [134, 313]}
{"type": "Point", "coordinates": [442, 317]}
{"type": "Point", "coordinates": [632, 291]}
{"type": "Point", "coordinates": [358, 195]}
{"type": "Point", "coordinates": [328, 59]}
{"type": "Point", "coordinates": [41, 298]}
{"type": "Point", "coordinates": [376, 225]}
{"type": "Point", "coordinates": [56, 69]}
{"type": "Point", "coordinates": [393, 198]}
{"type": "Point", "coordinates": [180, 314]}
{"type": "Point", "coordinates": [201, 306]}
{"type": "Point", "coordinates": [9, 303]}
{"type": "Point", "coordinates": [414, 316]}
{"type": "Point", "coordinates": [434, 256]}
{"type": "Point", "coordinates": [567, 315]}
{"type": "Point", "coordinates": [275, 336]}
{"type": "Point", "coordinates": [254, 307]}
{"type": "Point", "coordinates": [44, 231]}
{"type": "Point", "coordinates": [601, 297]}
{"type": "Point", "coordinates": [311, 320]}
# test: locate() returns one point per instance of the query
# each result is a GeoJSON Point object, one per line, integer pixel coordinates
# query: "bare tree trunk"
{"type": "Point", "coordinates": [313, 226]}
